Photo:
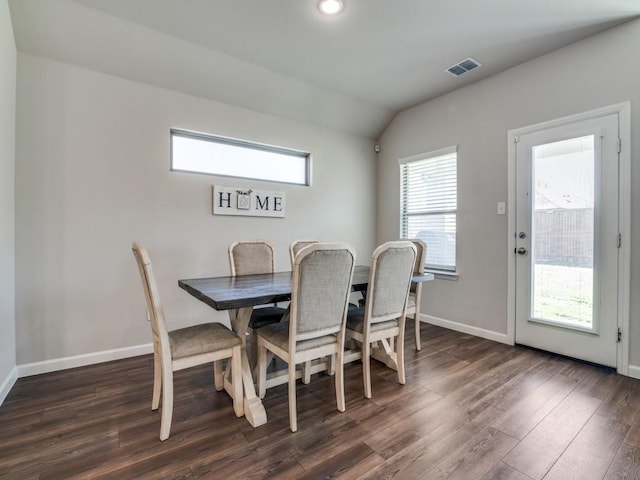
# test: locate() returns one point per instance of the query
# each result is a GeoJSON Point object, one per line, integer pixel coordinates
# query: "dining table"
{"type": "Point", "coordinates": [238, 295]}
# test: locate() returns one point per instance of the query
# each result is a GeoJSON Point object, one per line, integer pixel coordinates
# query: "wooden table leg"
{"type": "Point", "coordinates": [253, 409]}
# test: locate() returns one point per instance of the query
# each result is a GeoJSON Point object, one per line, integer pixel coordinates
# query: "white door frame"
{"type": "Point", "coordinates": [624, 263]}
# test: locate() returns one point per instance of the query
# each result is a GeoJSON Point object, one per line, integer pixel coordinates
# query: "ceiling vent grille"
{"type": "Point", "coordinates": [463, 67]}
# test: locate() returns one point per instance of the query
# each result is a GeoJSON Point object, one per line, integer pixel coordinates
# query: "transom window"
{"type": "Point", "coordinates": [429, 196]}
{"type": "Point", "coordinates": [209, 154]}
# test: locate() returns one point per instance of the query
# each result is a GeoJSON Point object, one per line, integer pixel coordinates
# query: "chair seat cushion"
{"type": "Point", "coordinates": [278, 334]}
{"type": "Point", "coordinates": [199, 339]}
{"type": "Point", "coordinates": [355, 322]}
{"type": "Point", "coordinates": [266, 316]}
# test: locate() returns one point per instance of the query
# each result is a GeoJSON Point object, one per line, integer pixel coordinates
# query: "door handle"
{"type": "Point", "coordinates": [520, 251]}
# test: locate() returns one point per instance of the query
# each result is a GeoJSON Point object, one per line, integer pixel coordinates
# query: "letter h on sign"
{"type": "Point", "coordinates": [225, 199]}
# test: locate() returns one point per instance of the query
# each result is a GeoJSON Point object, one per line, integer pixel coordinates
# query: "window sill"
{"type": "Point", "coordinates": [442, 275]}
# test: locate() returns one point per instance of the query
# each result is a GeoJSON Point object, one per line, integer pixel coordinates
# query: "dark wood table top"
{"type": "Point", "coordinates": [224, 293]}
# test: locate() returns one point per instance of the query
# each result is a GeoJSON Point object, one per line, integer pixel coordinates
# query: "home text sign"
{"type": "Point", "coordinates": [248, 202]}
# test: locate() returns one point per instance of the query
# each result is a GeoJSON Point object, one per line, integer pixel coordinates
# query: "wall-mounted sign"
{"type": "Point", "coordinates": [248, 202]}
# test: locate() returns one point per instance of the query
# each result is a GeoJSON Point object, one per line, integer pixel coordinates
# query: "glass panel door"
{"type": "Point", "coordinates": [566, 250]}
{"type": "Point", "coordinates": [563, 177]}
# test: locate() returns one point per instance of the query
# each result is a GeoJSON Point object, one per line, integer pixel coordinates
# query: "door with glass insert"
{"type": "Point", "coordinates": [567, 239]}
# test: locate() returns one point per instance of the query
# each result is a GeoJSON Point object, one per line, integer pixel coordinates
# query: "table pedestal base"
{"type": "Point", "coordinates": [254, 412]}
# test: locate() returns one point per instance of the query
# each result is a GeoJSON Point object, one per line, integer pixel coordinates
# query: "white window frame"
{"type": "Point", "coordinates": [229, 157]}
{"type": "Point", "coordinates": [404, 215]}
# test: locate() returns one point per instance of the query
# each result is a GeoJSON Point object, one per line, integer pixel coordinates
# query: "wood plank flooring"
{"type": "Point", "coordinates": [471, 409]}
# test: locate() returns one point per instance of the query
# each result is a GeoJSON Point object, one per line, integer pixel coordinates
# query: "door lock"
{"type": "Point", "coordinates": [522, 235]}
{"type": "Point", "coordinates": [521, 251]}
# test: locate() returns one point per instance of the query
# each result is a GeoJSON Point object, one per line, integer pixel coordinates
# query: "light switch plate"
{"type": "Point", "coordinates": [502, 208]}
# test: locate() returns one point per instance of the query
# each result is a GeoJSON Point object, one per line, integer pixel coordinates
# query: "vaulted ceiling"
{"type": "Point", "coordinates": [352, 72]}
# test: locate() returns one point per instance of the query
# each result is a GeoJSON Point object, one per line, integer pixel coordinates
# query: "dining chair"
{"type": "Point", "coordinates": [296, 246]}
{"type": "Point", "coordinates": [185, 347]}
{"type": "Point", "coordinates": [415, 292]}
{"type": "Point", "coordinates": [383, 317]}
{"type": "Point", "coordinates": [321, 283]}
{"type": "Point", "coordinates": [250, 257]}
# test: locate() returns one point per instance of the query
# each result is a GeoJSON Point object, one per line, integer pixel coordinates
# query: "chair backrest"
{"type": "Point", "coordinates": [251, 257]}
{"type": "Point", "coordinates": [296, 246]}
{"type": "Point", "coordinates": [421, 254]}
{"type": "Point", "coordinates": [155, 312]}
{"type": "Point", "coordinates": [321, 284]}
{"type": "Point", "coordinates": [421, 259]}
{"type": "Point", "coordinates": [392, 267]}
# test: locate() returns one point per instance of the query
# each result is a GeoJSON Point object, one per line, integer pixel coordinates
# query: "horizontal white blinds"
{"type": "Point", "coordinates": [429, 203]}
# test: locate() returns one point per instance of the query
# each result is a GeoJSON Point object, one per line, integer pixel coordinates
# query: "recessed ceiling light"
{"type": "Point", "coordinates": [330, 7]}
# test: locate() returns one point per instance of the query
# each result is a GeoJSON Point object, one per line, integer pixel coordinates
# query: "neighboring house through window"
{"type": "Point", "coordinates": [429, 196]}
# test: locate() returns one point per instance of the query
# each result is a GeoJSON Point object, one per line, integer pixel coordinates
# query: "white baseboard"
{"type": "Point", "coordinates": [634, 371]}
{"type": "Point", "coordinates": [56, 364]}
{"type": "Point", "coordinates": [469, 329]}
{"type": "Point", "coordinates": [8, 383]}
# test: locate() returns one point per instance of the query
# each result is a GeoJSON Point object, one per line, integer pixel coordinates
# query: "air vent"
{"type": "Point", "coordinates": [463, 67]}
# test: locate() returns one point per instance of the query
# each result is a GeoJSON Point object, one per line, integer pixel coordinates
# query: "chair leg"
{"type": "Point", "coordinates": [332, 364]}
{"type": "Point", "coordinates": [339, 374]}
{"type": "Point", "coordinates": [366, 367]}
{"type": "Point", "coordinates": [270, 358]}
{"type": "Point", "coordinates": [293, 416]}
{"type": "Point", "coordinates": [306, 372]}
{"type": "Point", "coordinates": [253, 341]}
{"type": "Point", "coordinates": [262, 368]}
{"type": "Point", "coordinates": [417, 319]}
{"type": "Point", "coordinates": [218, 375]}
{"type": "Point", "coordinates": [167, 403]}
{"type": "Point", "coordinates": [157, 381]}
{"type": "Point", "coordinates": [400, 357]}
{"type": "Point", "coordinates": [236, 381]}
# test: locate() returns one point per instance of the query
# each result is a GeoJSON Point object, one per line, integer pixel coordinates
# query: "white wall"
{"type": "Point", "coordinates": [7, 215]}
{"type": "Point", "coordinates": [593, 73]}
{"type": "Point", "coordinates": [92, 175]}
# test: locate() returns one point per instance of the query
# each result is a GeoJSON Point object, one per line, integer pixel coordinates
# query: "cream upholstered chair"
{"type": "Point", "coordinates": [383, 316]}
{"type": "Point", "coordinates": [415, 293]}
{"type": "Point", "coordinates": [321, 283]}
{"type": "Point", "coordinates": [185, 347]}
{"type": "Point", "coordinates": [250, 257]}
{"type": "Point", "coordinates": [296, 246]}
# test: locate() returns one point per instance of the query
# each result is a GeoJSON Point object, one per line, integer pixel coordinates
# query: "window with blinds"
{"type": "Point", "coordinates": [428, 205]}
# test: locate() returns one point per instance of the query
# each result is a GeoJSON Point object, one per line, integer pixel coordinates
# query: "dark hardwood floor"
{"type": "Point", "coordinates": [471, 409]}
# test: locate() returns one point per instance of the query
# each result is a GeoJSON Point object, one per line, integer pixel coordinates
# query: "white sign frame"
{"type": "Point", "coordinates": [248, 202]}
